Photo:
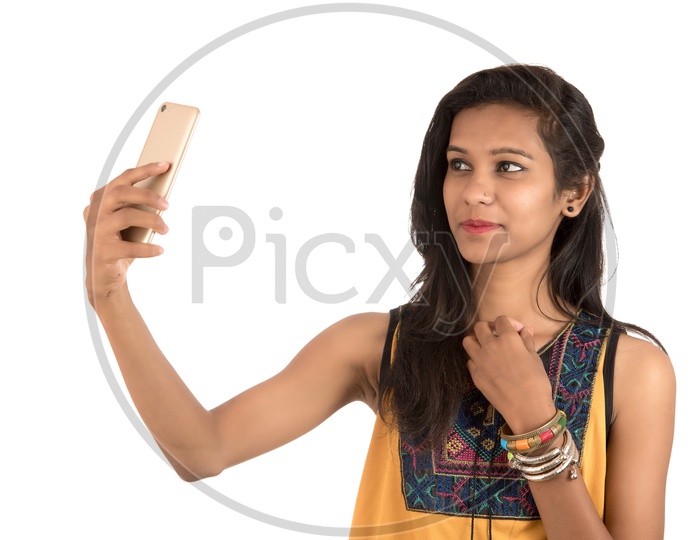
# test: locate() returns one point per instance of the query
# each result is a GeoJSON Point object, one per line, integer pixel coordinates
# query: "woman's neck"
{"type": "Point", "coordinates": [520, 292]}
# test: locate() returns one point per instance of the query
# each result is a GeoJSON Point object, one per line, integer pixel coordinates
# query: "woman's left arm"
{"type": "Point", "coordinates": [505, 367]}
{"type": "Point", "coordinates": [638, 454]}
{"type": "Point", "coordinates": [641, 436]}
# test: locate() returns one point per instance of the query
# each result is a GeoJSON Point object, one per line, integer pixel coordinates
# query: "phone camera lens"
{"type": "Point", "coordinates": [162, 108]}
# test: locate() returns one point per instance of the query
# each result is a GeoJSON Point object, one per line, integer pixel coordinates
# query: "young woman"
{"type": "Point", "coordinates": [510, 404]}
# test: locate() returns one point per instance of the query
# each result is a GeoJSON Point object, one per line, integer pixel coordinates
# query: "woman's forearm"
{"type": "Point", "coordinates": [567, 510]}
{"type": "Point", "coordinates": [181, 426]}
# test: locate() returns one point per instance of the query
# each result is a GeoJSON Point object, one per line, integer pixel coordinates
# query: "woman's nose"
{"type": "Point", "coordinates": [477, 190]}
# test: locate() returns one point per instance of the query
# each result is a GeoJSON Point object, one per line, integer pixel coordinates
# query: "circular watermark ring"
{"type": "Point", "coordinates": [145, 106]}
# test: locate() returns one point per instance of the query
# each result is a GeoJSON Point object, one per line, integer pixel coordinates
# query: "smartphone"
{"type": "Point", "coordinates": [167, 141]}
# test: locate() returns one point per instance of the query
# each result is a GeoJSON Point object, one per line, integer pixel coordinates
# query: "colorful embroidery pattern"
{"type": "Point", "coordinates": [468, 473]}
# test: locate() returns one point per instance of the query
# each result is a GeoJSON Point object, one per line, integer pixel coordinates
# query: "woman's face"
{"type": "Point", "coordinates": [500, 191]}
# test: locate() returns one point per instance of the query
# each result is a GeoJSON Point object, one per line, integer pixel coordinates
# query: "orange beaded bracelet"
{"type": "Point", "coordinates": [535, 439]}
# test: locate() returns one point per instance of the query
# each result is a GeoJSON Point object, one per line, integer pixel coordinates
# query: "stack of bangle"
{"type": "Point", "coordinates": [549, 464]}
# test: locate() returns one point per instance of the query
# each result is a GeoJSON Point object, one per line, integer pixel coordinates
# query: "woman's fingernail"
{"type": "Point", "coordinates": [162, 203]}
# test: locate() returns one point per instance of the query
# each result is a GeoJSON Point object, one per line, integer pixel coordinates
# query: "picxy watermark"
{"type": "Point", "coordinates": [203, 257]}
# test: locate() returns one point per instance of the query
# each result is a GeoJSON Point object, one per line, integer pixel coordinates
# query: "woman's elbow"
{"type": "Point", "coordinates": [193, 470]}
{"type": "Point", "coordinates": [196, 473]}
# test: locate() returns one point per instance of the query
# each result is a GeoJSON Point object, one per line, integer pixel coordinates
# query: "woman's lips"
{"type": "Point", "coordinates": [478, 226]}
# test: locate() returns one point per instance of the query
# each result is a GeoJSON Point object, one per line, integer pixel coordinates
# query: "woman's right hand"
{"type": "Point", "coordinates": [108, 256]}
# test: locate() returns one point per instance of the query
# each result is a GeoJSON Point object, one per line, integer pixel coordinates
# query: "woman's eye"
{"type": "Point", "coordinates": [508, 166]}
{"type": "Point", "coordinates": [459, 165]}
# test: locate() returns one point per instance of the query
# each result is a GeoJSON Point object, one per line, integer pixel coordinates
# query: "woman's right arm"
{"type": "Point", "coordinates": [338, 366]}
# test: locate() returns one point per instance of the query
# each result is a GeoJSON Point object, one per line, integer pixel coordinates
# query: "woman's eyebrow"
{"type": "Point", "coordinates": [495, 152]}
{"type": "Point", "coordinates": [453, 148]}
{"type": "Point", "coordinates": [510, 150]}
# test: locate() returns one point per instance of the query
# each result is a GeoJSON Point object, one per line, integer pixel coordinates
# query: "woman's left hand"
{"type": "Point", "coordinates": [505, 367]}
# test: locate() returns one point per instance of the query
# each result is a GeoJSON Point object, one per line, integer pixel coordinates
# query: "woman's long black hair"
{"type": "Point", "coordinates": [422, 390]}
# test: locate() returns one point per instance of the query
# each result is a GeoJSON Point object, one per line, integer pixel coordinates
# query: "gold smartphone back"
{"type": "Point", "coordinates": [167, 141]}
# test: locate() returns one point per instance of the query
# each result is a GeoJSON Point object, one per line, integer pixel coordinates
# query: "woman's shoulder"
{"type": "Point", "coordinates": [364, 336]}
{"type": "Point", "coordinates": [367, 326]}
{"type": "Point", "coordinates": [638, 354]}
{"type": "Point", "coordinates": [643, 371]}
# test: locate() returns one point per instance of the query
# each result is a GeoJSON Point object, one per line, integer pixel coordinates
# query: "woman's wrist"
{"type": "Point", "coordinates": [113, 302]}
{"type": "Point", "coordinates": [529, 420]}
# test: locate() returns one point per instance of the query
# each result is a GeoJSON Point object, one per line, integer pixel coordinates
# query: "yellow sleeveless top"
{"type": "Point", "coordinates": [464, 488]}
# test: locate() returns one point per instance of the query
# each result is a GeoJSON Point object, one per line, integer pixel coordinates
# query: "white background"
{"type": "Point", "coordinates": [333, 106]}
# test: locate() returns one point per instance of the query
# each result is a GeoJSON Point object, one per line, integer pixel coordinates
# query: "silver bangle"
{"type": "Point", "coordinates": [537, 469]}
{"type": "Point", "coordinates": [554, 462]}
{"type": "Point", "coordinates": [573, 458]}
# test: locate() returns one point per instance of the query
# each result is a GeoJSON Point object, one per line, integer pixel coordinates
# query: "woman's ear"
{"type": "Point", "coordinates": [573, 200]}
